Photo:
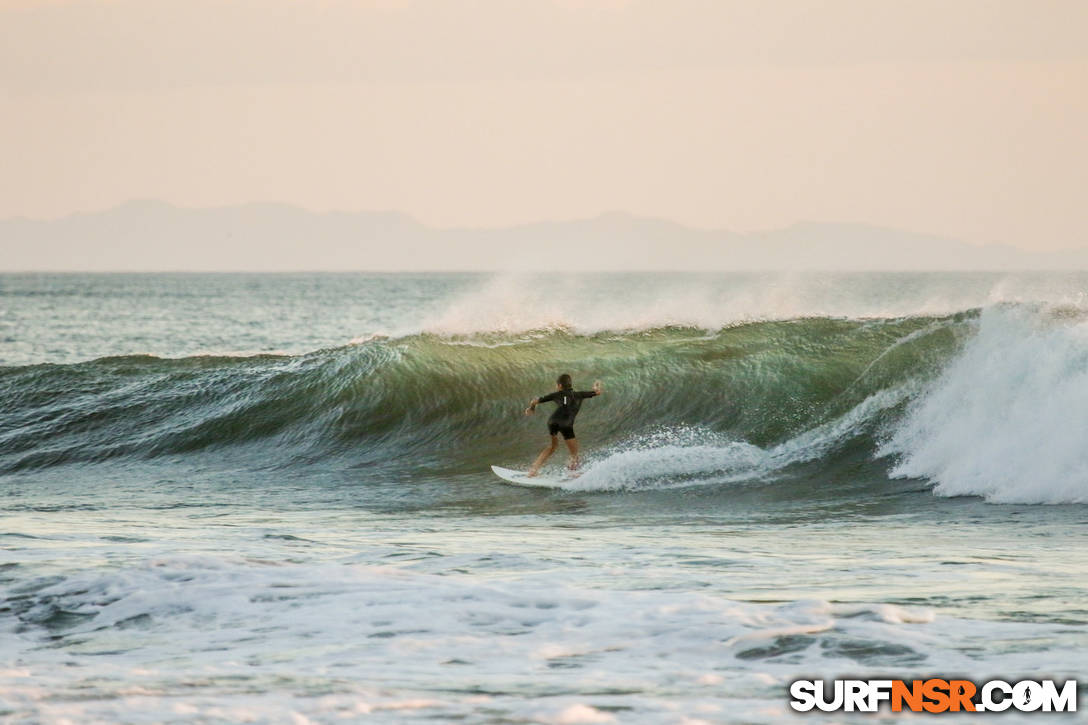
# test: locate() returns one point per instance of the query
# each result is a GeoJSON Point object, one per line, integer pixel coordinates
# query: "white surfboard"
{"type": "Point", "coordinates": [521, 478]}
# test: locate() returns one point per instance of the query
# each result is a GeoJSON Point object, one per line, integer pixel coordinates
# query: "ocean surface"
{"type": "Point", "coordinates": [267, 498]}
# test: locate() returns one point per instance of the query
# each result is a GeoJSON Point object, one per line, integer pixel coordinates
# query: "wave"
{"type": "Point", "coordinates": [1007, 418]}
{"type": "Point", "coordinates": [943, 398]}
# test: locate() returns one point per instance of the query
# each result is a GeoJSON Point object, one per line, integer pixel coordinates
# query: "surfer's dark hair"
{"type": "Point", "coordinates": [564, 381]}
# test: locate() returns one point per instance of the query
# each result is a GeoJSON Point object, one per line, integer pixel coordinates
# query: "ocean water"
{"type": "Point", "coordinates": [267, 498]}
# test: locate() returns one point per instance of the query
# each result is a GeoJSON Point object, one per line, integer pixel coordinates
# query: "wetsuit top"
{"type": "Point", "coordinates": [567, 404]}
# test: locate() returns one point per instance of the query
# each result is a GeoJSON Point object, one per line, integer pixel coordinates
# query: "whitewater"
{"type": "Point", "coordinates": [267, 497]}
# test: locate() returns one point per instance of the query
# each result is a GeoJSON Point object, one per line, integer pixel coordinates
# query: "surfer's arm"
{"type": "Point", "coordinates": [537, 401]}
{"type": "Point", "coordinates": [597, 390]}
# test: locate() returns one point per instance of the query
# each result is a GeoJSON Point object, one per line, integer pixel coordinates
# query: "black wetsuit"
{"type": "Point", "coordinates": [567, 404]}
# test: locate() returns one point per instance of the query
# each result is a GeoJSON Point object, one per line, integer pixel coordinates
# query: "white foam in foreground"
{"type": "Point", "coordinates": [1008, 419]}
{"type": "Point", "coordinates": [183, 637]}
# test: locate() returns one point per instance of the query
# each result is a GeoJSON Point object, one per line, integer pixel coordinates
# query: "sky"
{"type": "Point", "coordinates": [965, 119]}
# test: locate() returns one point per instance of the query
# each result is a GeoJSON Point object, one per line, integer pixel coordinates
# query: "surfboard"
{"type": "Point", "coordinates": [521, 478]}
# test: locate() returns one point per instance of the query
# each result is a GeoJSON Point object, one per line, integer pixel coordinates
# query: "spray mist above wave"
{"type": "Point", "coordinates": [1008, 418]}
{"type": "Point", "coordinates": [587, 305]}
{"type": "Point", "coordinates": [79, 318]}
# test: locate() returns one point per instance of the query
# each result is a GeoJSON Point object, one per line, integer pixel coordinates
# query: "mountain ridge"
{"type": "Point", "coordinates": [154, 235]}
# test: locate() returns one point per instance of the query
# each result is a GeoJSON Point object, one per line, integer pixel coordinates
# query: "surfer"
{"type": "Point", "coordinates": [568, 401]}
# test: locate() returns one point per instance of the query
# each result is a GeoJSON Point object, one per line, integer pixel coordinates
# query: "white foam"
{"type": "Point", "coordinates": [1008, 418]}
{"type": "Point", "coordinates": [235, 625]}
{"type": "Point", "coordinates": [687, 456]}
{"type": "Point", "coordinates": [225, 631]}
{"type": "Point", "coordinates": [202, 617]}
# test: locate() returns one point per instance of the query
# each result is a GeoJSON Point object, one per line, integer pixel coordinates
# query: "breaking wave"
{"type": "Point", "coordinates": [990, 402]}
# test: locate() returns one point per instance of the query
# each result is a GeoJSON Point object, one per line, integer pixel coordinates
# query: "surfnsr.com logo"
{"type": "Point", "coordinates": [934, 695]}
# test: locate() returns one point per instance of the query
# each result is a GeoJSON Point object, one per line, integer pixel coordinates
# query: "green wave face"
{"type": "Point", "coordinates": [445, 405]}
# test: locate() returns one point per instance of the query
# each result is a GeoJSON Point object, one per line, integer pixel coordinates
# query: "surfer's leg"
{"type": "Point", "coordinates": [572, 446]}
{"type": "Point", "coordinates": [544, 455]}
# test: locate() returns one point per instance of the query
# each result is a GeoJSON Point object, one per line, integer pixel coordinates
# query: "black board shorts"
{"type": "Point", "coordinates": [566, 430]}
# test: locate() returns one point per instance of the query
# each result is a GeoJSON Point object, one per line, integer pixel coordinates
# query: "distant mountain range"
{"type": "Point", "coordinates": [156, 236]}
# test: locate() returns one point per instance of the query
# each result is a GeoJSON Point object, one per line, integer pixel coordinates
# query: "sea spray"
{"type": "Point", "coordinates": [1008, 418]}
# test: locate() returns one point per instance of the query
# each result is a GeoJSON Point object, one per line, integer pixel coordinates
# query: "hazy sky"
{"type": "Point", "coordinates": [965, 118]}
